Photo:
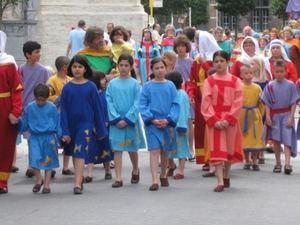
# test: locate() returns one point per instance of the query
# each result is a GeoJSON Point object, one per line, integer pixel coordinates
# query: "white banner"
{"type": "Point", "coordinates": [158, 3]}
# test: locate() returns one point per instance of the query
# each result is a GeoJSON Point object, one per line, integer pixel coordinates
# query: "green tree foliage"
{"type": "Point", "coordinates": [5, 3]}
{"type": "Point", "coordinates": [278, 8]}
{"type": "Point", "coordinates": [236, 8]}
{"type": "Point", "coordinates": [199, 9]}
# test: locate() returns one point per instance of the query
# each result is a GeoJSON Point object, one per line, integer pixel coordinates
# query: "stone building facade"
{"type": "Point", "coordinates": [259, 19]}
{"type": "Point", "coordinates": [49, 22]}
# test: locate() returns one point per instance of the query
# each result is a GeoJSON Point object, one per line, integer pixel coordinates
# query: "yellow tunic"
{"type": "Point", "coordinates": [56, 86]}
{"type": "Point", "coordinates": [251, 118]}
{"type": "Point", "coordinates": [119, 49]}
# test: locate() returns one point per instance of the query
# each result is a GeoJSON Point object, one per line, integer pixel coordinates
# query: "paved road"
{"type": "Point", "coordinates": [255, 198]}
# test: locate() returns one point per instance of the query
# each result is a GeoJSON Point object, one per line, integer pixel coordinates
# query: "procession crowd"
{"type": "Point", "coordinates": [199, 96]}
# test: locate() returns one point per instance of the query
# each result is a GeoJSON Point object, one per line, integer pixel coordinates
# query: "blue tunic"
{"type": "Point", "coordinates": [122, 97]}
{"type": "Point", "coordinates": [43, 123]}
{"type": "Point", "coordinates": [183, 150]}
{"type": "Point", "coordinates": [80, 114]}
{"type": "Point", "coordinates": [160, 100]}
{"type": "Point", "coordinates": [101, 152]}
{"type": "Point", "coordinates": [272, 97]}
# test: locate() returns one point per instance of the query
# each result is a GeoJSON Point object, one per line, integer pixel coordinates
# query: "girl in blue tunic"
{"type": "Point", "coordinates": [125, 133]}
{"type": "Point", "coordinates": [80, 110]}
{"type": "Point", "coordinates": [42, 120]}
{"type": "Point", "coordinates": [101, 152]}
{"type": "Point", "coordinates": [159, 107]}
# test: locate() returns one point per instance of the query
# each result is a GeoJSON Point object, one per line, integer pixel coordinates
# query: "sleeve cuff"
{"type": "Point", "coordinates": [231, 119]}
{"type": "Point", "coordinates": [211, 121]}
{"type": "Point", "coordinates": [113, 122]}
{"type": "Point", "coordinates": [171, 122]}
{"type": "Point", "coordinates": [148, 121]}
{"type": "Point", "coordinates": [129, 122]}
{"type": "Point", "coordinates": [181, 129]}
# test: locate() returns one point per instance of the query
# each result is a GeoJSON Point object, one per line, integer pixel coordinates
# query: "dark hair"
{"type": "Point", "coordinates": [129, 33]}
{"type": "Point", "coordinates": [126, 57]}
{"type": "Point", "coordinates": [279, 63]}
{"type": "Point", "coordinates": [154, 26]}
{"type": "Point", "coordinates": [30, 46]}
{"type": "Point", "coordinates": [81, 23]}
{"type": "Point", "coordinates": [81, 60]}
{"type": "Point", "coordinates": [61, 61]}
{"type": "Point", "coordinates": [111, 24]}
{"type": "Point", "coordinates": [176, 78]}
{"type": "Point", "coordinates": [142, 42]}
{"type": "Point", "coordinates": [189, 32]}
{"type": "Point", "coordinates": [211, 71]}
{"type": "Point", "coordinates": [41, 90]}
{"type": "Point", "coordinates": [116, 30]}
{"type": "Point", "coordinates": [91, 33]}
{"type": "Point", "coordinates": [157, 60]}
{"type": "Point", "coordinates": [182, 40]}
{"type": "Point", "coordinates": [222, 54]}
{"type": "Point", "coordinates": [227, 32]}
{"type": "Point", "coordinates": [98, 75]}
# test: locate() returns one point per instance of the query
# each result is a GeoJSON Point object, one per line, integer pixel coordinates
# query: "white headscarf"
{"type": "Point", "coordinates": [207, 45]}
{"type": "Point", "coordinates": [4, 58]}
{"type": "Point", "coordinates": [245, 58]}
{"type": "Point", "coordinates": [277, 42]}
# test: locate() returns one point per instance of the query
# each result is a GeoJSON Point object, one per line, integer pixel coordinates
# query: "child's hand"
{"type": "Point", "coordinates": [290, 122]}
{"type": "Point", "coordinates": [218, 125]}
{"type": "Point", "coordinates": [224, 124]}
{"type": "Point", "coordinates": [66, 139]}
{"type": "Point", "coordinates": [192, 102]}
{"type": "Point", "coordinates": [13, 120]}
{"type": "Point", "coordinates": [106, 124]}
{"type": "Point", "coordinates": [120, 41]}
{"type": "Point", "coordinates": [181, 133]}
{"type": "Point", "coordinates": [121, 124]}
{"type": "Point", "coordinates": [101, 138]}
{"type": "Point", "coordinates": [269, 122]}
{"type": "Point", "coordinates": [163, 123]}
{"type": "Point", "coordinates": [156, 122]}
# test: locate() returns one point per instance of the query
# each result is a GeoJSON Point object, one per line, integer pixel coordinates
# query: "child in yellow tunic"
{"type": "Point", "coordinates": [251, 118]}
{"type": "Point", "coordinates": [120, 45]}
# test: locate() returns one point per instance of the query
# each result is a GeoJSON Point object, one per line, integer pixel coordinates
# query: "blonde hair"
{"type": "Point", "coordinates": [262, 69]}
{"type": "Point", "coordinates": [169, 27]}
{"type": "Point", "coordinates": [170, 55]}
{"type": "Point", "coordinates": [51, 70]}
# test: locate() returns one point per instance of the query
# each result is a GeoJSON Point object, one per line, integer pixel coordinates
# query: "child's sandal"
{"type": "Point", "coordinates": [247, 167]}
{"type": "Point", "coordinates": [277, 168]}
{"type": "Point", "coordinates": [288, 169]}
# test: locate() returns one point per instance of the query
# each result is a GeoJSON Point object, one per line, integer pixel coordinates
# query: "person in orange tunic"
{"type": "Point", "coordinates": [222, 102]}
{"type": "Point", "coordinates": [202, 64]}
{"type": "Point", "coordinates": [10, 103]}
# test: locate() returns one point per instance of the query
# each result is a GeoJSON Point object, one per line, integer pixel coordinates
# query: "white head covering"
{"type": "Point", "coordinates": [277, 42]}
{"type": "Point", "coordinates": [4, 58]}
{"type": "Point", "coordinates": [207, 45]}
{"type": "Point", "coordinates": [245, 58]}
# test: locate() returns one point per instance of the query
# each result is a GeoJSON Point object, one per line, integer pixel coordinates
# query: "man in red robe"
{"type": "Point", "coordinates": [10, 103]}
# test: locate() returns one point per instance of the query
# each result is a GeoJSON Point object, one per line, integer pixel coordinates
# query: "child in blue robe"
{"type": "Point", "coordinates": [80, 120]}
{"type": "Point", "coordinates": [41, 119]}
{"type": "Point", "coordinates": [159, 107]}
{"type": "Point", "coordinates": [183, 150]}
{"type": "Point", "coordinates": [125, 133]}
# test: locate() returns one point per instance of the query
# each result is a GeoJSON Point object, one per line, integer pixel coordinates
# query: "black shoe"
{"type": "Point", "coordinates": [53, 172]}
{"type": "Point", "coordinates": [29, 173]}
{"type": "Point", "coordinates": [3, 190]}
{"type": "Point", "coordinates": [14, 169]}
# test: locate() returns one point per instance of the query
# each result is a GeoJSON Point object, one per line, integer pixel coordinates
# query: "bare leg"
{"type": "Point", "coordinates": [191, 138]}
{"type": "Point", "coordinates": [181, 166]}
{"type": "Point", "coordinates": [211, 168]}
{"type": "Point", "coordinates": [79, 168]}
{"type": "Point", "coordinates": [15, 157]}
{"type": "Point", "coordinates": [90, 168]}
{"type": "Point", "coordinates": [287, 154]}
{"type": "Point", "coordinates": [277, 152]}
{"type": "Point", "coordinates": [107, 167]}
{"type": "Point", "coordinates": [247, 157]}
{"type": "Point", "coordinates": [47, 178]}
{"type": "Point", "coordinates": [118, 165]}
{"type": "Point", "coordinates": [254, 157]}
{"type": "Point", "coordinates": [219, 172]}
{"type": "Point", "coordinates": [38, 175]}
{"type": "Point", "coordinates": [154, 158]}
{"type": "Point", "coordinates": [227, 166]}
{"type": "Point", "coordinates": [134, 157]}
{"type": "Point", "coordinates": [172, 164]}
{"type": "Point", "coordinates": [66, 159]}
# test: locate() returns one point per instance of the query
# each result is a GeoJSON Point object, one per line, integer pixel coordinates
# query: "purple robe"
{"type": "Point", "coordinates": [272, 97]}
{"type": "Point", "coordinates": [298, 125]}
{"type": "Point", "coordinates": [293, 7]}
